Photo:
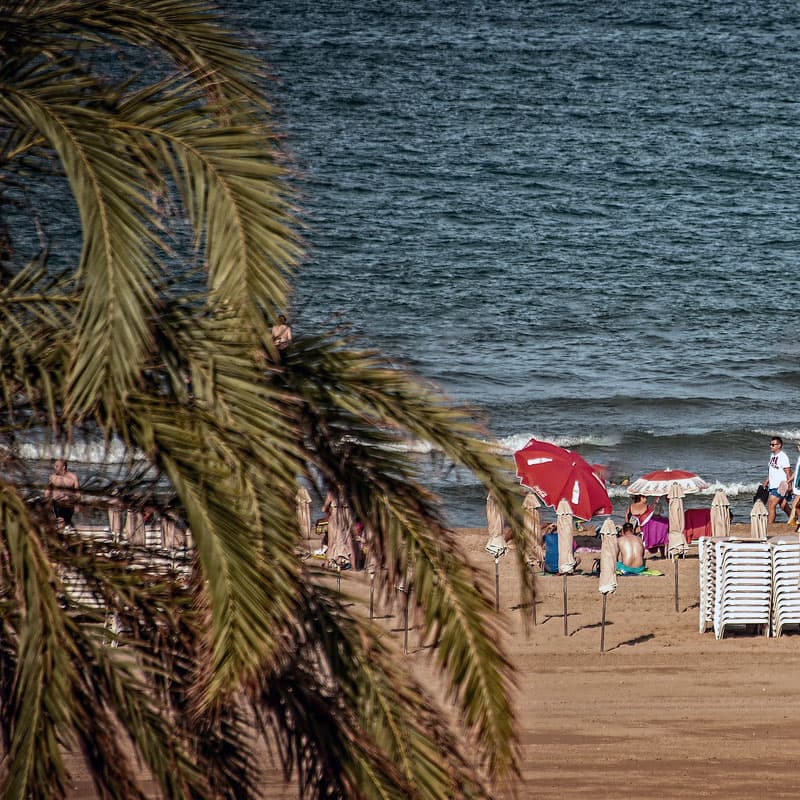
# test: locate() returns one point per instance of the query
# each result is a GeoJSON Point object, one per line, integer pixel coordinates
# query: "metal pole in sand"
{"type": "Point", "coordinates": [405, 624]}
{"type": "Point", "coordinates": [533, 595]}
{"type": "Point", "coordinates": [497, 583]}
{"type": "Point", "coordinates": [565, 605]}
{"type": "Point", "coordinates": [675, 562]}
{"type": "Point", "coordinates": [603, 626]}
{"type": "Point", "coordinates": [371, 594]}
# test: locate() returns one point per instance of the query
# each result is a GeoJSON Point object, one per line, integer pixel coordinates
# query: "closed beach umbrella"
{"type": "Point", "coordinates": [557, 474]}
{"type": "Point", "coordinates": [658, 483]}
{"type": "Point", "coordinates": [566, 555]}
{"type": "Point", "coordinates": [340, 545]}
{"type": "Point", "coordinates": [758, 521]}
{"type": "Point", "coordinates": [496, 544]}
{"type": "Point", "coordinates": [720, 515]}
{"type": "Point", "coordinates": [303, 503]}
{"type": "Point", "coordinates": [677, 540]}
{"type": "Point", "coordinates": [609, 554]}
{"type": "Point", "coordinates": [533, 529]}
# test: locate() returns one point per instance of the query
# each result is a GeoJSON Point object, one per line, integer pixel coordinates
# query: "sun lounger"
{"type": "Point", "coordinates": [743, 585]}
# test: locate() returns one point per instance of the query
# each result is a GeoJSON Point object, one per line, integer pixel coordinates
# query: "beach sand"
{"type": "Point", "coordinates": [665, 711]}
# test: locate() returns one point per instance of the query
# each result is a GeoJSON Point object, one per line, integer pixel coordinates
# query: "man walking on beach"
{"type": "Point", "coordinates": [62, 491]}
{"type": "Point", "coordinates": [779, 478]}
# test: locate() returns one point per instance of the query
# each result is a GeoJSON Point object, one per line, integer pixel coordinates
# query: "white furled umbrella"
{"type": "Point", "coordinates": [496, 545]}
{"type": "Point", "coordinates": [609, 552]}
{"type": "Point", "coordinates": [566, 555]}
{"type": "Point", "coordinates": [677, 545]}
{"type": "Point", "coordinates": [534, 556]}
{"type": "Point", "coordinates": [720, 515]}
{"type": "Point", "coordinates": [303, 504]}
{"type": "Point", "coordinates": [533, 528]}
{"type": "Point", "coordinates": [758, 521]}
{"type": "Point", "coordinates": [340, 543]}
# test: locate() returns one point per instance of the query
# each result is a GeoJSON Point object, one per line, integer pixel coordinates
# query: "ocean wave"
{"type": "Point", "coordinates": [97, 452]}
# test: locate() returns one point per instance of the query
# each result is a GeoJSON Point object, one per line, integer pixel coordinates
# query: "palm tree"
{"type": "Point", "coordinates": [147, 119]}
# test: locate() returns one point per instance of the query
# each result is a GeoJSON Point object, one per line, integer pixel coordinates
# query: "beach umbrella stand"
{"type": "Point", "coordinates": [496, 583]}
{"type": "Point", "coordinates": [566, 630]}
{"type": "Point", "coordinates": [371, 595]}
{"type": "Point", "coordinates": [405, 624]}
{"type": "Point", "coordinates": [677, 572]}
{"type": "Point", "coordinates": [603, 625]}
{"type": "Point", "coordinates": [533, 595]}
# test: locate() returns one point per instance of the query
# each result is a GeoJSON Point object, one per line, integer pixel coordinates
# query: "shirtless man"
{"type": "Point", "coordinates": [62, 492]}
{"type": "Point", "coordinates": [631, 549]}
{"type": "Point", "coordinates": [282, 335]}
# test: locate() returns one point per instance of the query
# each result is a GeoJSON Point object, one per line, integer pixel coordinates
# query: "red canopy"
{"type": "Point", "coordinates": [555, 474]}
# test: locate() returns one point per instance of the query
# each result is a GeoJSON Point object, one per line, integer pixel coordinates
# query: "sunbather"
{"type": "Point", "coordinates": [631, 550]}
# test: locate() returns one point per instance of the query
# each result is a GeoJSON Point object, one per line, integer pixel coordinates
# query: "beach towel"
{"type": "Point", "coordinates": [655, 532]}
{"type": "Point", "coordinates": [646, 571]}
{"type": "Point", "coordinates": [623, 570]}
{"type": "Point", "coordinates": [697, 523]}
{"type": "Point", "coordinates": [551, 553]}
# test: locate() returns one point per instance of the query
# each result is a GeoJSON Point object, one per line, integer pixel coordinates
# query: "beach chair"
{"type": "Point", "coordinates": [785, 578]}
{"type": "Point", "coordinates": [743, 585]}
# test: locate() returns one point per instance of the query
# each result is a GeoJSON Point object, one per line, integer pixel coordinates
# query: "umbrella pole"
{"type": "Point", "coordinates": [603, 626]}
{"type": "Point", "coordinates": [496, 583]}
{"type": "Point", "coordinates": [338, 577]}
{"type": "Point", "coordinates": [371, 594]}
{"type": "Point", "coordinates": [675, 561]}
{"type": "Point", "coordinates": [405, 624]}
{"type": "Point", "coordinates": [565, 604]}
{"type": "Point", "coordinates": [533, 595]}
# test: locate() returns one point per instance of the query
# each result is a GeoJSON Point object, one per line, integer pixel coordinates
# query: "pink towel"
{"type": "Point", "coordinates": [655, 532]}
{"type": "Point", "coordinates": [697, 523]}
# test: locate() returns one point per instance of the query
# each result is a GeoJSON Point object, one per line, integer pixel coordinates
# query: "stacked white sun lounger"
{"type": "Point", "coordinates": [743, 584]}
{"type": "Point", "coordinates": [785, 579]}
{"type": "Point", "coordinates": [708, 573]}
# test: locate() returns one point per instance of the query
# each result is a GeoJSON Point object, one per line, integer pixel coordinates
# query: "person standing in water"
{"type": "Point", "coordinates": [62, 492]}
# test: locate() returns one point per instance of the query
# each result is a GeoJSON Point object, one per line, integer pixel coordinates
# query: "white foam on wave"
{"type": "Point", "coordinates": [97, 452]}
{"type": "Point", "coordinates": [516, 441]}
{"type": "Point", "coordinates": [787, 434]}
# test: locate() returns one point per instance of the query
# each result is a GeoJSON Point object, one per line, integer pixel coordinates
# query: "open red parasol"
{"type": "Point", "coordinates": [556, 473]}
{"type": "Point", "coordinates": [657, 484]}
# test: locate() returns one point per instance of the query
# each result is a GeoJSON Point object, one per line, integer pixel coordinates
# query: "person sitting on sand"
{"type": "Point", "coordinates": [638, 512]}
{"type": "Point", "coordinates": [631, 551]}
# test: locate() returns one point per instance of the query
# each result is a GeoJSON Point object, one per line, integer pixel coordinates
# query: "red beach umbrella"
{"type": "Point", "coordinates": [556, 473]}
{"type": "Point", "coordinates": [657, 484]}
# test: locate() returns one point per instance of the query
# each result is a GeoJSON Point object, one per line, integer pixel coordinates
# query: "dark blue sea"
{"type": "Point", "coordinates": [580, 218]}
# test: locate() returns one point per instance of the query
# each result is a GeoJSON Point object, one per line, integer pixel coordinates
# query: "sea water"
{"type": "Point", "coordinates": [580, 219]}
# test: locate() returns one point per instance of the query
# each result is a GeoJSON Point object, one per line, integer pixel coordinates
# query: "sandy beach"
{"type": "Point", "coordinates": [665, 711]}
